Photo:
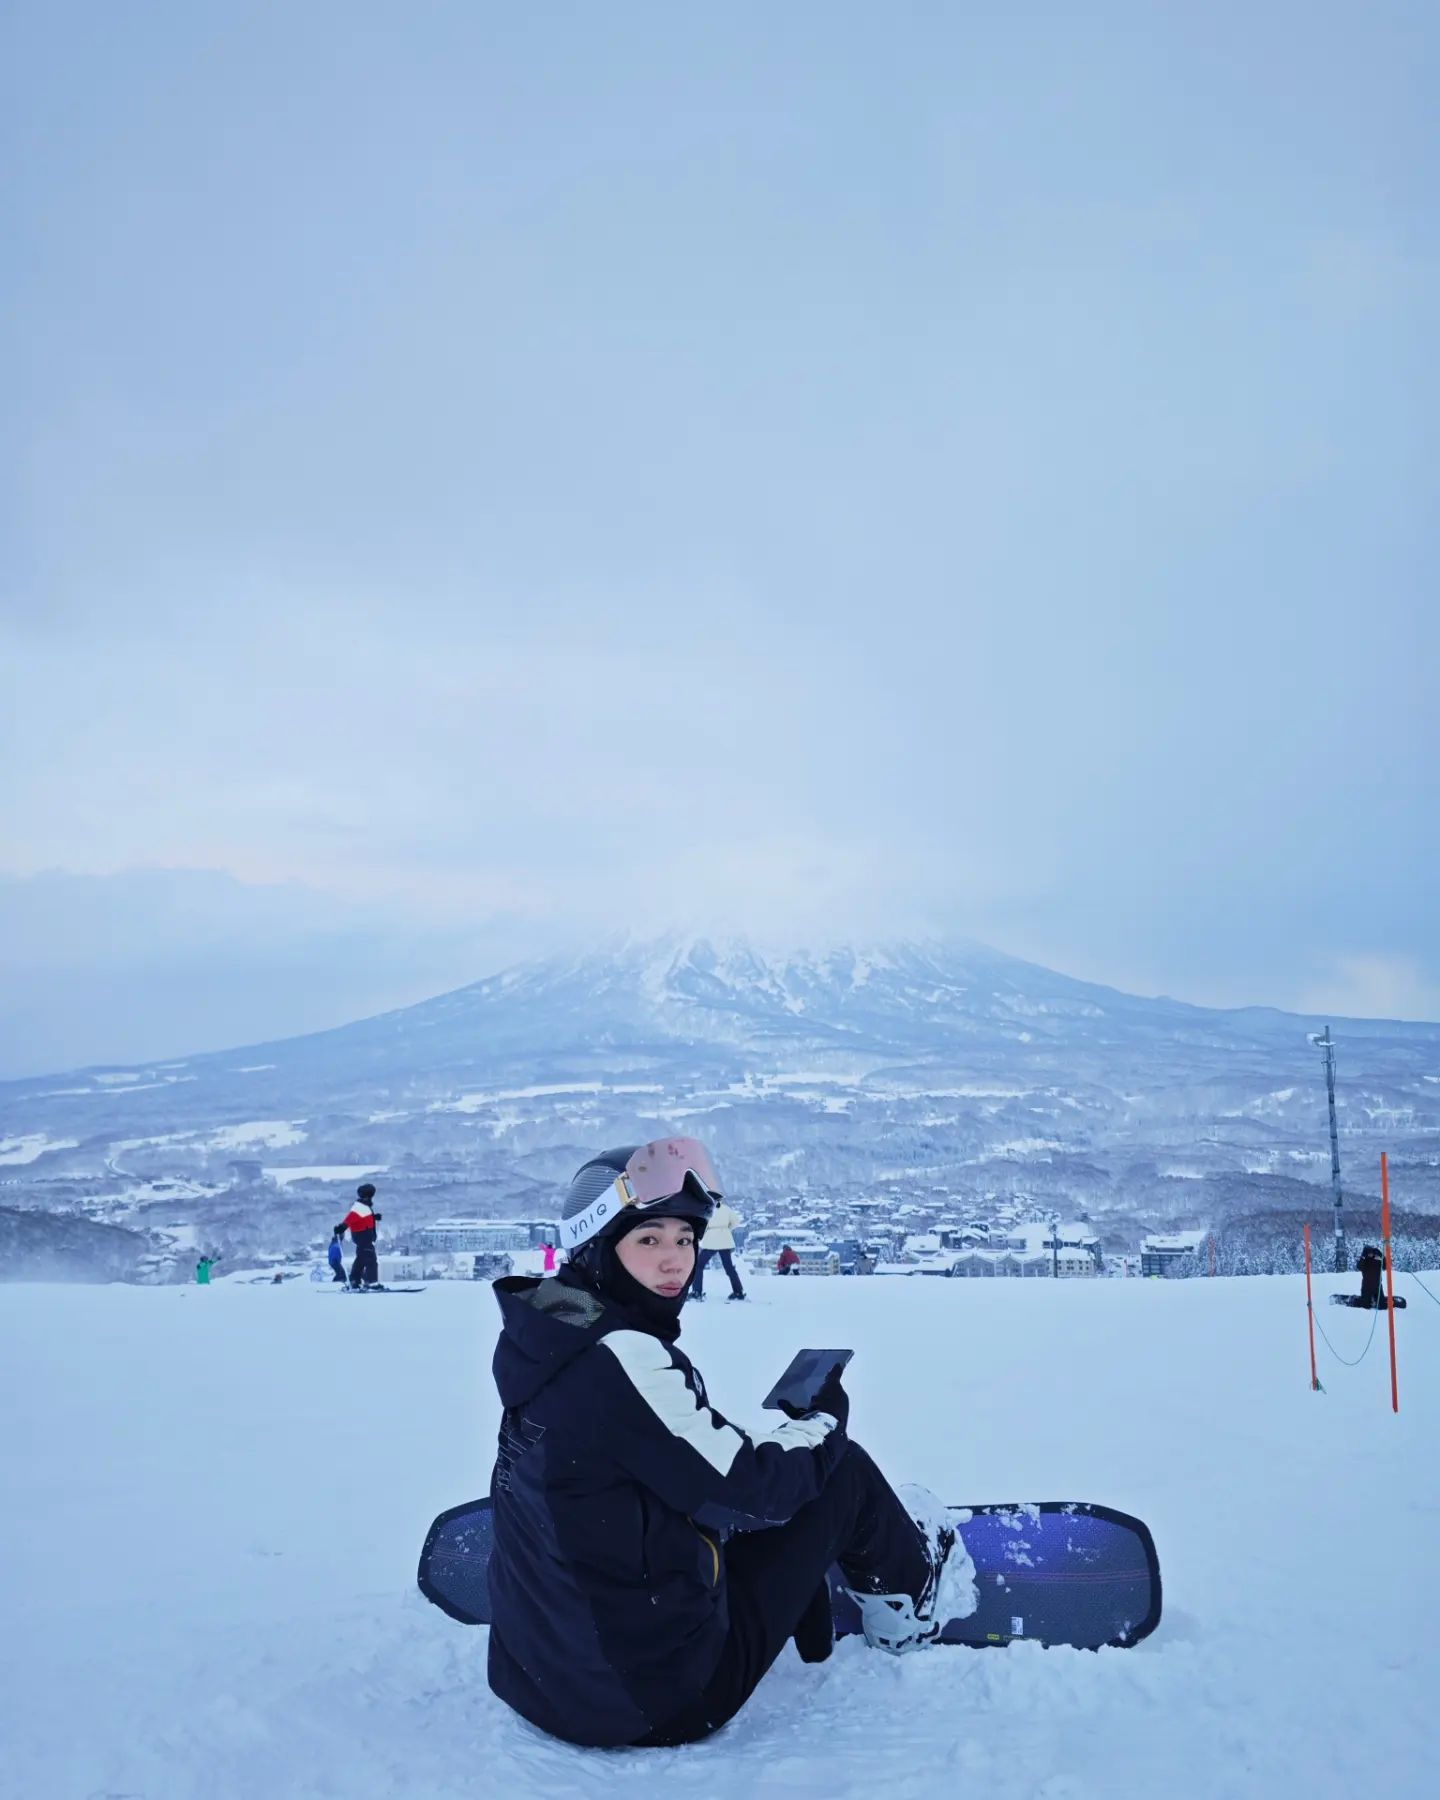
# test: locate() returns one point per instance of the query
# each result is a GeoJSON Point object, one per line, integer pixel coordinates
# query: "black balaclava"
{"type": "Point", "coordinates": [601, 1269]}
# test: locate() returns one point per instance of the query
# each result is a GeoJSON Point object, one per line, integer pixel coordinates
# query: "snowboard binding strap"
{"type": "Point", "coordinates": [889, 1623]}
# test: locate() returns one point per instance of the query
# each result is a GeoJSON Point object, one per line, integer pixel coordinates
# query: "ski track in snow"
{"type": "Point", "coordinates": [211, 1528]}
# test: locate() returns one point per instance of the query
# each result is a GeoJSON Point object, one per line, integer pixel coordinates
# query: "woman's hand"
{"type": "Point", "coordinates": [831, 1398]}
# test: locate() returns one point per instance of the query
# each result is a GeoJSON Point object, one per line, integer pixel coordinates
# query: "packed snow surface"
{"type": "Point", "coordinates": [214, 1499]}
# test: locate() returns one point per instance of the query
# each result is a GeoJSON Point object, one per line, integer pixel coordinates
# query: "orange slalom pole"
{"type": "Point", "coordinates": [1310, 1313]}
{"type": "Point", "coordinates": [1389, 1274]}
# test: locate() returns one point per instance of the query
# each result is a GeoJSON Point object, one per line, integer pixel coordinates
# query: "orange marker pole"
{"type": "Point", "coordinates": [1310, 1313]}
{"type": "Point", "coordinates": [1389, 1274]}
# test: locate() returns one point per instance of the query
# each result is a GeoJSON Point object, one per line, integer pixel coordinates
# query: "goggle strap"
{"type": "Point", "coordinates": [605, 1205]}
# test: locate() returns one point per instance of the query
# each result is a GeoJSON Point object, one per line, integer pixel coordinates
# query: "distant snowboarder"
{"type": "Point", "coordinates": [719, 1241]}
{"type": "Point", "coordinates": [202, 1270]}
{"type": "Point", "coordinates": [1371, 1265]}
{"type": "Point", "coordinates": [787, 1262]}
{"type": "Point", "coordinates": [334, 1256]}
{"type": "Point", "coordinates": [360, 1222]}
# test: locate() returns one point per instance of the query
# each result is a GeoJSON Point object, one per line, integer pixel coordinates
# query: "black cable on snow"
{"type": "Point", "coordinates": [1422, 1287]}
{"type": "Point", "coordinates": [1348, 1362]}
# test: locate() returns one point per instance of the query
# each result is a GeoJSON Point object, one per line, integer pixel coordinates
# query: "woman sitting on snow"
{"type": "Point", "coordinates": [624, 1612]}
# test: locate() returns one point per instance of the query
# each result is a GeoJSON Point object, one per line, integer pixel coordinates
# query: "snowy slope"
{"type": "Point", "coordinates": [213, 1502]}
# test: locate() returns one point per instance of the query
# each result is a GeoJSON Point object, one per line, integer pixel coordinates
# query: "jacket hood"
{"type": "Point", "coordinates": [545, 1324]}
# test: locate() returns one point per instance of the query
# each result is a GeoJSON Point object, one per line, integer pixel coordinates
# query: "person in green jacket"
{"type": "Point", "coordinates": [202, 1270]}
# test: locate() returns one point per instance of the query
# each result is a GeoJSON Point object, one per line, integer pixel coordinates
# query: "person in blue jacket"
{"type": "Point", "coordinates": [335, 1256]}
{"type": "Point", "coordinates": [651, 1557]}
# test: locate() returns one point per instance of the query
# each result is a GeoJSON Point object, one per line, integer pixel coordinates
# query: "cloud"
{"type": "Point", "coordinates": [639, 494]}
{"type": "Point", "coordinates": [1373, 986]}
{"type": "Point", "coordinates": [160, 963]}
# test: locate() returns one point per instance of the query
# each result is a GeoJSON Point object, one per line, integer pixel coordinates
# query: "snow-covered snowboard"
{"type": "Point", "coordinates": [1056, 1572]}
{"type": "Point", "coordinates": [1355, 1300]}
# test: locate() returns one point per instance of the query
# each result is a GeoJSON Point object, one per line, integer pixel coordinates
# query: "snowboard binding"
{"type": "Point", "coordinates": [890, 1623]}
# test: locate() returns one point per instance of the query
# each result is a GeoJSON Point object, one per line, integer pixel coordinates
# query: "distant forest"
{"type": "Point", "coordinates": [1272, 1243]}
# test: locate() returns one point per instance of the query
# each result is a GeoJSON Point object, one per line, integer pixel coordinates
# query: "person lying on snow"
{"type": "Point", "coordinates": [652, 1558]}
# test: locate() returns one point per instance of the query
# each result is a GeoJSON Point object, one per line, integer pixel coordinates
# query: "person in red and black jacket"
{"type": "Point", "coordinates": [360, 1222]}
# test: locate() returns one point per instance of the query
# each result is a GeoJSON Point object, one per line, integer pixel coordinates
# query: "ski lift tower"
{"type": "Point", "coordinates": [1322, 1040]}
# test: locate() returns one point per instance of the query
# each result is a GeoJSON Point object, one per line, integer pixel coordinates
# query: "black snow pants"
{"type": "Point", "coordinates": [727, 1262]}
{"type": "Point", "coordinates": [776, 1586]}
{"type": "Point", "coordinates": [365, 1269]}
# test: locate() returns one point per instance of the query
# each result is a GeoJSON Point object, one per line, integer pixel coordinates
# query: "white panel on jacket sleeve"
{"type": "Point", "coordinates": [799, 1434]}
{"type": "Point", "coordinates": [665, 1391]}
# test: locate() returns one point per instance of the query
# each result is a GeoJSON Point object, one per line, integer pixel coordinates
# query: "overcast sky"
{"type": "Point", "coordinates": [481, 475]}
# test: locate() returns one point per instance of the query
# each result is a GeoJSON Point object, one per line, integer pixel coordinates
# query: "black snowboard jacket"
{"type": "Point", "coordinates": [613, 1484]}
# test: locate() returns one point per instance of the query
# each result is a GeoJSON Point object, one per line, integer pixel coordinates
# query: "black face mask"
{"type": "Point", "coordinates": [602, 1270]}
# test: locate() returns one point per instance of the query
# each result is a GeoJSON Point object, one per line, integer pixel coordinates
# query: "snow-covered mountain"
{"type": "Point", "coordinates": [897, 1069]}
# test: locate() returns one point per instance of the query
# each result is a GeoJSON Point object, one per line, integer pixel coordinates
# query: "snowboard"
{"type": "Point", "coordinates": [1054, 1572]}
{"type": "Point", "coordinates": [379, 1288]}
{"type": "Point", "coordinates": [1355, 1301]}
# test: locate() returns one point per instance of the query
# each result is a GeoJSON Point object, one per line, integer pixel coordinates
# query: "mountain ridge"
{"type": "Point", "coordinates": [683, 974]}
{"type": "Point", "coordinates": [879, 1070]}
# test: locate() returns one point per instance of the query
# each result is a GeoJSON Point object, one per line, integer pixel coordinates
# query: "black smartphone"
{"type": "Point", "coordinates": [805, 1377]}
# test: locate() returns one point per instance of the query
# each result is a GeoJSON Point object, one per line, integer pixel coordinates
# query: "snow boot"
{"type": "Point", "coordinates": [951, 1592]}
{"type": "Point", "coordinates": [737, 1296]}
{"type": "Point", "coordinates": [898, 1623]}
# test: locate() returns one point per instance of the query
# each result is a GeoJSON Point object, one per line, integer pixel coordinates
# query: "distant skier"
{"type": "Point", "coordinates": [360, 1222]}
{"type": "Point", "coordinates": [787, 1262]}
{"type": "Point", "coordinates": [719, 1241]}
{"type": "Point", "coordinates": [334, 1257]}
{"type": "Point", "coordinates": [549, 1264]}
{"type": "Point", "coordinates": [202, 1270]}
{"type": "Point", "coordinates": [620, 1612]}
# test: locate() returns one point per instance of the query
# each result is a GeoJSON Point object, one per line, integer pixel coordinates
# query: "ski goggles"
{"type": "Point", "coordinates": [656, 1173]}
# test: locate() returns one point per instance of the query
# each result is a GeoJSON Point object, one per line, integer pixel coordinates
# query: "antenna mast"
{"type": "Point", "coordinates": [1323, 1041]}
